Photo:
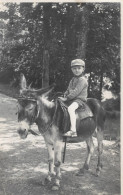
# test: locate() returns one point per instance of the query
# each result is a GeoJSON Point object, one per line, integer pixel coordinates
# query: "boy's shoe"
{"type": "Point", "coordinates": [70, 134]}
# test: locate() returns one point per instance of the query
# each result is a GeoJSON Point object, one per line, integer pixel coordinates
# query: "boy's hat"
{"type": "Point", "coordinates": [77, 62]}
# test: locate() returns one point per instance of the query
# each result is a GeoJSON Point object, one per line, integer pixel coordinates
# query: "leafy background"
{"type": "Point", "coordinates": [90, 31]}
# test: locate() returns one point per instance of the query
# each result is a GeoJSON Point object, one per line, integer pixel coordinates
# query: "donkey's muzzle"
{"type": "Point", "coordinates": [23, 129]}
{"type": "Point", "coordinates": [22, 133]}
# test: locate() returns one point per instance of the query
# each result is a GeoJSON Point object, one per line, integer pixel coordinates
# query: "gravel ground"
{"type": "Point", "coordinates": [23, 163]}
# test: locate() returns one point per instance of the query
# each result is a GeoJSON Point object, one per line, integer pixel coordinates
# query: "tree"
{"type": "Point", "coordinates": [103, 46]}
{"type": "Point", "coordinates": [63, 32]}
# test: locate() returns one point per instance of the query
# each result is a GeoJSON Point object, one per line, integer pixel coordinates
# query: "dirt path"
{"type": "Point", "coordinates": [23, 163]}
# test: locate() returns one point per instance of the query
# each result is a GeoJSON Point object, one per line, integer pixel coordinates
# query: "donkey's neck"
{"type": "Point", "coordinates": [48, 104]}
{"type": "Point", "coordinates": [47, 111]}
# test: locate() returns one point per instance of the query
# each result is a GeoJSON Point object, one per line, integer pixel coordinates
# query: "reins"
{"type": "Point", "coordinates": [53, 119]}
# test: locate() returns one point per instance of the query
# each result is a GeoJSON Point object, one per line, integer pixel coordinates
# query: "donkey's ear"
{"type": "Point", "coordinates": [48, 92]}
{"type": "Point", "coordinates": [45, 91]}
{"type": "Point", "coordinates": [23, 83]}
{"type": "Point", "coordinates": [29, 87]}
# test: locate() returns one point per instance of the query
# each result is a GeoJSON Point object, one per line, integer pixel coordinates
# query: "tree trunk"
{"type": "Point", "coordinates": [82, 36]}
{"type": "Point", "coordinates": [89, 84]}
{"type": "Point", "coordinates": [101, 82]}
{"type": "Point", "coordinates": [46, 24]}
{"type": "Point", "coordinates": [45, 74]}
{"type": "Point", "coordinates": [70, 34]}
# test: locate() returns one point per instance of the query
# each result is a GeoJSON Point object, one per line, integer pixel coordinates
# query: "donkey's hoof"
{"type": "Point", "coordinates": [55, 187]}
{"type": "Point", "coordinates": [45, 182]}
{"type": "Point", "coordinates": [80, 172]}
{"type": "Point", "coordinates": [98, 171]}
{"type": "Point", "coordinates": [86, 166]}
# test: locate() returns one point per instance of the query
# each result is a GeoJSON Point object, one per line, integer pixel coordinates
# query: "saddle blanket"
{"type": "Point", "coordinates": [81, 113]}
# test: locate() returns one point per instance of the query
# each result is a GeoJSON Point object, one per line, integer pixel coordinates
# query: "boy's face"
{"type": "Point", "coordinates": [77, 70]}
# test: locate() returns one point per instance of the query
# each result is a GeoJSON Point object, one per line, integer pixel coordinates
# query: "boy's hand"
{"type": "Point", "coordinates": [63, 99]}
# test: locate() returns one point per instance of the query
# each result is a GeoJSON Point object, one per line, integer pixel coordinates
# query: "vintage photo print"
{"type": "Point", "coordinates": [60, 97]}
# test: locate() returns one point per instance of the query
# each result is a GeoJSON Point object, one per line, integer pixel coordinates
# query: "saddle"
{"type": "Point", "coordinates": [82, 112]}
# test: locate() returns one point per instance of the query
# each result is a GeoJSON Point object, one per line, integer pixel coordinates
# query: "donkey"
{"type": "Point", "coordinates": [35, 107]}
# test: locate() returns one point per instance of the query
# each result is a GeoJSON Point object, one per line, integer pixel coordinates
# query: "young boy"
{"type": "Point", "coordinates": [76, 93]}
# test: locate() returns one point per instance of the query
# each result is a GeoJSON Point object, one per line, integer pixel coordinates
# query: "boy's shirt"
{"type": "Point", "coordinates": [77, 89]}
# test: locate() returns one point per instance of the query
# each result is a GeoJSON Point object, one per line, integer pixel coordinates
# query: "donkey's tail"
{"type": "Point", "coordinates": [112, 114]}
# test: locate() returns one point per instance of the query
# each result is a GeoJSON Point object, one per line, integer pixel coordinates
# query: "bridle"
{"type": "Point", "coordinates": [32, 100]}
{"type": "Point", "coordinates": [37, 114]}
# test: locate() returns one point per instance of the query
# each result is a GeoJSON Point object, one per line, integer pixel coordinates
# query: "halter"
{"type": "Point", "coordinates": [26, 98]}
{"type": "Point", "coordinates": [37, 115]}
{"type": "Point", "coordinates": [33, 100]}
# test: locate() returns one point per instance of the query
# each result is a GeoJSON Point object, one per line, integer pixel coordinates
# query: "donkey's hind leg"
{"type": "Point", "coordinates": [90, 150]}
{"type": "Point", "coordinates": [99, 133]}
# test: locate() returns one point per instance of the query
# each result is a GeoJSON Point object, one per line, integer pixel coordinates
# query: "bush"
{"type": "Point", "coordinates": [112, 104]}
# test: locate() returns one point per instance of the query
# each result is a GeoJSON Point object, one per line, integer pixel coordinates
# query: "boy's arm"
{"type": "Point", "coordinates": [80, 86]}
{"type": "Point", "coordinates": [67, 91]}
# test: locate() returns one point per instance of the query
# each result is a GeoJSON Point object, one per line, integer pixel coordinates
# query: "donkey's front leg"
{"type": "Point", "coordinates": [58, 151]}
{"type": "Point", "coordinates": [51, 172]}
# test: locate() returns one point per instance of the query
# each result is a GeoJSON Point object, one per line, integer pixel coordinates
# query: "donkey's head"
{"type": "Point", "coordinates": [28, 106]}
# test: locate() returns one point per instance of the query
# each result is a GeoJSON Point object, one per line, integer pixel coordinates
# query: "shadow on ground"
{"type": "Point", "coordinates": [23, 163]}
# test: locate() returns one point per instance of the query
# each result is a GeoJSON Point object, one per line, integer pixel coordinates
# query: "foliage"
{"type": "Point", "coordinates": [103, 47]}
{"type": "Point", "coordinates": [112, 104]}
{"type": "Point", "coordinates": [31, 29]}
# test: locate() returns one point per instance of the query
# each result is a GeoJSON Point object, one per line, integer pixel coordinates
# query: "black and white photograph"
{"type": "Point", "coordinates": [60, 97]}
